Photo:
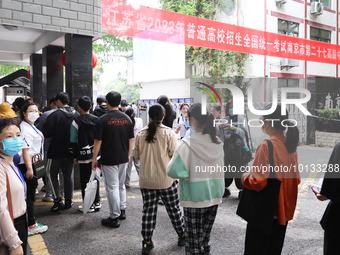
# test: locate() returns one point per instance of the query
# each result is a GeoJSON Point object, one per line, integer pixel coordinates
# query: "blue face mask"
{"type": "Point", "coordinates": [231, 112]}
{"type": "Point", "coordinates": [12, 146]}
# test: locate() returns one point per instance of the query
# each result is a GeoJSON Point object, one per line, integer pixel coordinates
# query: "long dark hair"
{"type": "Point", "coordinates": [292, 135]}
{"type": "Point", "coordinates": [131, 113]}
{"type": "Point", "coordinates": [163, 101]}
{"type": "Point", "coordinates": [204, 121]}
{"type": "Point", "coordinates": [156, 113]}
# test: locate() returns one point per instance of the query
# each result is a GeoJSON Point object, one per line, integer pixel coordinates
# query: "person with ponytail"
{"type": "Point", "coordinates": [154, 147]}
{"type": "Point", "coordinates": [198, 163]}
{"type": "Point", "coordinates": [170, 114]}
{"type": "Point", "coordinates": [284, 136]}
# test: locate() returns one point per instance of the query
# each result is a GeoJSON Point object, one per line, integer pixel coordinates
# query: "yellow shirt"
{"type": "Point", "coordinates": [154, 157]}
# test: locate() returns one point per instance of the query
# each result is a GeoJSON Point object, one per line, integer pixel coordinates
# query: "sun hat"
{"type": "Point", "coordinates": [6, 111]}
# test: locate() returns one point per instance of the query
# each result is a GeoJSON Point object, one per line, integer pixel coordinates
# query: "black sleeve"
{"type": "Point", "coordinates": [98, 131]}
{"type": "Point", "coordinates": [131, 133]}
{"type": "Point", "coordinates": [331, 183]}
{"type": "Point", "coordinates": [50, 124]}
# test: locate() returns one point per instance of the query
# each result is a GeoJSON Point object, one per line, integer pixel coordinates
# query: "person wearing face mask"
{"type": "Point", "coordinates": [284, 137]}
{"type": "Point", "coordinates": [13, 225]}
{"type": "Point", "coordinates": [181, 123]}
{"type": "Point", "coordinates": [33, 144]}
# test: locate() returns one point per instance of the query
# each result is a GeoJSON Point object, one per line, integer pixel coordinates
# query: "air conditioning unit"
{"type": "Point", "coordinates": [316, 8]}
{"type": "Point", "coordinates": [288, 63]}
{"type": "Point", "coordinates": [280, 2]}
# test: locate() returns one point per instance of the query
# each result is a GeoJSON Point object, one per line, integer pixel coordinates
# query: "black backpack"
{"type": "Point", "coordinates": [235, 153]}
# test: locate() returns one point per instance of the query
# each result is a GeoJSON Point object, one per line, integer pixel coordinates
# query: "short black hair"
{"type": "Point", "coordinates": [52, 100]}
{"type": "Point", "coordinates": [124, 103]}
{"type": "Point", "coordinates": [19, 102]}
{"type": "Point", "coordinates": [101, 99]}
{"type": "Point", "coordinates": [5, 122]}
{"type": "Point", "coordinates": [113, 98]}
{"type": "Point", "coordinates": [63, 97]}
{"type": "Point", "coordinates": [85, 103]}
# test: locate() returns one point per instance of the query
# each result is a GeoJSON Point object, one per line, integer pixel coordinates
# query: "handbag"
{"type": "Point", "coordinates": [3, 248]}
{"type": "Point", "coordinates": [38, 165]}
{"type": "Point", "coordinates": [258, 208]}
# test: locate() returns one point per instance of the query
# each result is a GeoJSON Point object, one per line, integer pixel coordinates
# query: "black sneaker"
{"type": "Point", "coordinates": [58, 204]}
{"type": "Point", "coordinates": [97, 206]}
{"type": "Point", "coordinates": [122, 215]}
{"type": "Point", "coordinates": [68, 204]}
{"type": "Point", "coordinates": [226, 193]}
{"type": "Point", "coordinates": [113, 223]}
{"type": "Point", "coordinates": [147, 247]}
{"type": "Point", "coordinates": [181, 241]}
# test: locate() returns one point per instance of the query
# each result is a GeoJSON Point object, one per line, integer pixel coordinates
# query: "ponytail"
{"type": "Point", "coordinates": [156, 113]}
{"type": "Point", "coordinates": [292, 137]}
{"type": "Point", "coordinates": [210, 129]}
{"type": "Point", "coordinates": [152, 127]}
{"type": "Point", "coordinates": [204, 121]}
{"type": "Point", "coordinates": [292, 132]}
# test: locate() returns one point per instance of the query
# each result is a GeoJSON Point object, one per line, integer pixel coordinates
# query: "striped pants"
{"type": "Point", "coordinates": [198, 223]}
{"type": "Point", "coordinates": [150, 205]}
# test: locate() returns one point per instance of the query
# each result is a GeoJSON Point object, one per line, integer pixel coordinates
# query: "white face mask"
{"type": "Point", "coordinates": [32, 116]}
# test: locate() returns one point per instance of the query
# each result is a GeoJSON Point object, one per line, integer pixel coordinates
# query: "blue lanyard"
{"type": "Point", "coordinates": [186, 128]}
{"type": "Point", "coordinates": [42, 137]}
{"type": "Point", "coordinates": [20, 176]}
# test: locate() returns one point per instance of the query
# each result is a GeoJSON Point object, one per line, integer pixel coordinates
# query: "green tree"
{"type": "Point", "coordinates": [129, 92]}
{"type": "Point", "coordinates": [8, 69]}
{"type": "Point", "coordinates": [107, 48]}
{"type": "Point", "coordinates": [212, 66]}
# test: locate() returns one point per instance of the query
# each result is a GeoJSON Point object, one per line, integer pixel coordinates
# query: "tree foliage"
{"type": "Point", "coordinates": [8, 69]}
{"type": "Point", "coordinates": [129, 92]}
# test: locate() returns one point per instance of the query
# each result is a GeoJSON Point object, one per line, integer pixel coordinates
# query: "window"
{"type": "Point", "coordinates": [321, 35]}
{"type": "Point", "coordinates": [288, 28]}
{"type": "Point", "coordinates": [289, 83]}
{"type": "Point", "coordinates": [325, 3]}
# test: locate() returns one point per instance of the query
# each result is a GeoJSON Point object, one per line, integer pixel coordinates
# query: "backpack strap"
{"type": "Point", "coordinates": [271, 158]}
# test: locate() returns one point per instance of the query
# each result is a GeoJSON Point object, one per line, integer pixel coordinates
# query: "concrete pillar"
{"type": "Point", "coordinates": [53, 72]}
{"type": "Point", "coordinates": [36, 84]}
{"type": "Point", "coordinates": [78, 63]}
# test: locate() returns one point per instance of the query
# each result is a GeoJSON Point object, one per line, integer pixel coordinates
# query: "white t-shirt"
{"type": "Point", "coordinates": [33, 139]}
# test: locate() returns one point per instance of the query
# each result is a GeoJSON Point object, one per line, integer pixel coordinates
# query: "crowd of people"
{"type": "Point", "coordinates": [165, 152]}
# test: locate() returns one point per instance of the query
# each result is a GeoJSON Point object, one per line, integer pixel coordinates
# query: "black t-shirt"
{"type": "Point", "coordinates": [114, 129]}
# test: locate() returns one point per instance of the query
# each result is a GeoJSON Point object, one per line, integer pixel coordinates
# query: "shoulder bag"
{"type": "Point", "coordinates": [258, 208]}
{"type": "Point", "coordinates": [3, 248]}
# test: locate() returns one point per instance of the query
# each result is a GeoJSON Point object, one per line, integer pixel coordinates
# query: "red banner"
{"type": "Point", "coordinates": [124, 19]}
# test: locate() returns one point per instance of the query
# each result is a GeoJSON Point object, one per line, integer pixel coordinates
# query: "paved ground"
{"type": "Point", "coordinates": [71, 232]}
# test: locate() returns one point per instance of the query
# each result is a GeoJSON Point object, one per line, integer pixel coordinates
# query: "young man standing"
{"type": "Point", "coordinates": [57, 127]}
{"type": "Point", "coordinates": [114, 137]}
{"type": "Point", "coordinates": [82, 133]}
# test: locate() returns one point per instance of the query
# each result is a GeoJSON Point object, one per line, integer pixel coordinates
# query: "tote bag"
{"type": "Point", "coordinates": [258, 208]}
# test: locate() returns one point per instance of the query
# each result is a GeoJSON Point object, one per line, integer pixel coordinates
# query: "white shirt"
{"type": "Point", "coordinates": [33, 139]}
{"type": "Point", "coordinates": [179, 122]}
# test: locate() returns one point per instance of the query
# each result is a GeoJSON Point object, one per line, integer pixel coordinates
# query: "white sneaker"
{"type": "Point", "coordinates": [37, 229]}
{"type": "Point", "coordinates": [80, 209]}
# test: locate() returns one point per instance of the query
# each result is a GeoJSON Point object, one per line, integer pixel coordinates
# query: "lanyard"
{"type": "Point", "coordinates": [186, 128]}
{"type": "Point", "coordinates": [18, 174]}
{"type": "Point", "coordinates": [42, 137]}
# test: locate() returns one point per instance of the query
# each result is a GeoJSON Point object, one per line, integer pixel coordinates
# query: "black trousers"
{"type": "Point", "coordinates": [20, 225]}
{"type": "Point", "coordinates": [30, 192]}
{"type": "Point", "coordinates": [259, 243]}
{"type": "Point", "coordinates": [331, 244]}
{"type": "Point", "coordinates": [85, 174]}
